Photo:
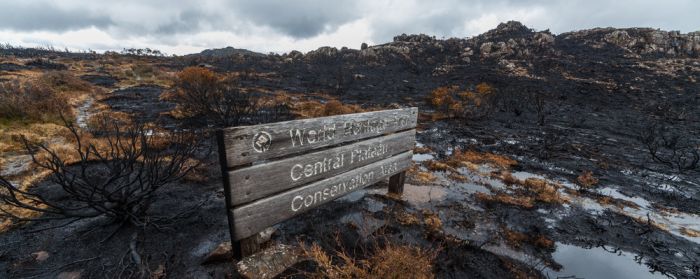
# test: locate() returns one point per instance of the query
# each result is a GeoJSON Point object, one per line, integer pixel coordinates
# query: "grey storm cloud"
{"type": "Point", "coordinates": [45, 16]}
{"type": "Point", "coordinates": [300, 19]}
{"type": "Point", "coordinates": [169, 22]}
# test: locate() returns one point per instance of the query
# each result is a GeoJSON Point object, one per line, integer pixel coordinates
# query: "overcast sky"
{"type": "Point", "coordinates": [180, 27]}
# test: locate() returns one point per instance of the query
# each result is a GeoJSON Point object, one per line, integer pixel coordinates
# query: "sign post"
{"type": "Point", "coordinates": [273, 172]}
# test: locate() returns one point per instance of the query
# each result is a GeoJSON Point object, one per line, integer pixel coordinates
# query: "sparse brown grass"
{"type": "Point", "coordinates": [335, 107]}
{"type": "Point", "coordinates": [97, 121]}
{"type": "Point", "coordinates": [647, 221]}
{"type": "Point", "coordinates": [513, 238]}
{"type": "Point", "coordinates": [434, 165]}
{"type": "Point", "coordinates": [586, 180]}
{"type": "Point", "coordinates": [423, 177]}
{"type": "Point", "coordinates": [132, 72]}
{"type": "Point", "coordinates": [58, 139]}
{"type": "Point", "coordinates": [390, 261]}
{"type": "Point", "coordinates": [665, 210]}
{"type": "Point", "coordinates": [406, 218]}
{"type": "Point", "coordinates": [467, 159]}
{"type": "Point", "coordinates": [11, 135]}
{"type": "Point", "coordinates": [543, 241]}
{"type": "Point", "coordinates": [532, 190]}
{"type": "Point", "coordinates": [27, 181]}
{"type": "Point", "coordinates": [451, 101]}
{"type": "Point", "coordinates": [517, 239]}
{"type": "Point", "coordinates": [459, 158]}
{"type": "Point", "coordinates": [420, 177]}
{"type": "Point", "coordinates": [64, 81]}
{"type": "Point", "coordinates": [432, 221]}
{"type": "Point", "coordinates": [509, 179]}
{"type": "Point", "coordinates": [607, 200]}
{"type": "Point", "coordinates": [421, 150]}
{"type": "Point", "coordinates": [484, 88]}
{"type": "Point", "coordinates": [690, 232]}
{"type": "Point", "coordinates": [446, 102]}
{"type": "Point", "coordinates": [311, 109]}
{"type": "Point", "coordinates": [31, 102]}
{"type": "Point", "coordinates": [458, 177]}
{"type": "Point", "coordinates": [544, 191]}
{"type": "Point", "coordinates": [502, 198]}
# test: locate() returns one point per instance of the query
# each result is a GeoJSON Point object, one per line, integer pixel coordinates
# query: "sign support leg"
{"type": "Point", "coordinates": [247, 246]}
{"type": "Point", "coordinates": [243, 247]}
{"type": "Point", "coordinates": [396, 182]}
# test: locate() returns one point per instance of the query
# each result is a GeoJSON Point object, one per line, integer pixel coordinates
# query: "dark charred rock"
{"type": "Point", "coordinates": [645, 42]}
{"type": "Point", "coordinates": [228, 51]}
{"type": "Point", "coordinates": [222, 253]}
{"type": "Point", "coordinates": [508, 30]}
{"type": "Point", "coordinates": [12, 67]}
{"type": "Point", "coordinates": [100, 80]}
{"type": "Point", "coordinates": [420, 38]}
{"type": "Point", "coordinates": [143, 102]}
{"type": "Point", "coordinates": [46, 64]}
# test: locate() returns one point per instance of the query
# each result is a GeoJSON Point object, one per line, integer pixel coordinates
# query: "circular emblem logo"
{"type": "Point", "coordinates": [262, 141]}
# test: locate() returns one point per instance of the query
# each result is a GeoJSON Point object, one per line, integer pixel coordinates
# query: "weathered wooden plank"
{"type": "Point", "coordinates": [254, 217]}
{"type": "Point", "coordinates": [262, 180]}
{"type": "Point", "coordinates": [248, 144]}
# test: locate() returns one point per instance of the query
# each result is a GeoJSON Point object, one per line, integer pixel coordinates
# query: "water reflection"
{"type": "Point", "coordinates": [599, 263]}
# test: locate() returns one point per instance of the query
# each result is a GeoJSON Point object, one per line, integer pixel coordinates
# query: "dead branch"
{"type": "Point", "coordinates": [116, 176]}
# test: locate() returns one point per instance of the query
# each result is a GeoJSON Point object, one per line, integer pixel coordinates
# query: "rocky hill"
{"type": "Point", "coordinates": [639, 65]}
{"type": "Point", "coordinates": [227, 51]}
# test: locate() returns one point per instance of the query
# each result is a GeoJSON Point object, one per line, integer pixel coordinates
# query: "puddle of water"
{"type": "Point", "coordinates": [420, 195]}
{"type": "Point", "coordinates": [590, 205]}
{"type": "Point", "coordinates": [523, 175]}
{"type": "Point", "coordinates": [422, 157]}
{"type": "Point", "coordinates": [358, 195]}
{"type": "Point", "coordinates": [616, 194]}
{"type": "Point", "coordinates": [598, 263]}
{"type": "Point", "coordinates": [671, 189]}
{"type": "Point", "coordinates": [472, 188]}
{"type": "Point", "coordinates": [504, 250]}
{"type": "Point", "coordinates": [449, 151]}
{"type": "Point", "coordinates": [673, 221]}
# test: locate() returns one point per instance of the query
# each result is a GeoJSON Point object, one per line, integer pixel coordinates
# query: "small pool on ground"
{"type": "Point", "coordinates": [598, 263]}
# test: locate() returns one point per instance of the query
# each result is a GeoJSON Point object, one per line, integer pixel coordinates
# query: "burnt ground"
{"type": "Point", "coordinates": [100, 80]}
{"type": "Point", "coordinates": [469, 241]}
{"type": "Point", "coordinates": [600, 95]}
{"type": "Point", "coordinates": [143, 103]}
{"type": "Point", "coordinates": [183, 239]}
{"type": "Point", "coordinates": [179, 245]}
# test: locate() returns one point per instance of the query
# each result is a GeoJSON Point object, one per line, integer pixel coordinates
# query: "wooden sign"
{"type": "Point", "coordinates": [273, 172]}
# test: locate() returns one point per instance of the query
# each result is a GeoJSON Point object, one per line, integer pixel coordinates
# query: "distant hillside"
{"type": "Point", "coordinates": [227, 51]}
